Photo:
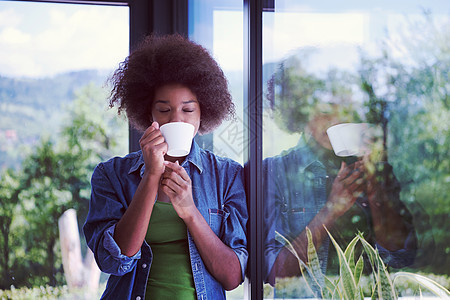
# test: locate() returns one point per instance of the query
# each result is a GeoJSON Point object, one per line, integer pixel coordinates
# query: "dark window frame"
{"type": "Point", "coordinates": [171, 16]}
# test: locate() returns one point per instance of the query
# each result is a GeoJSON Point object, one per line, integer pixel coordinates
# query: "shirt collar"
{"type": "Point", "coordinates": [193, 157]}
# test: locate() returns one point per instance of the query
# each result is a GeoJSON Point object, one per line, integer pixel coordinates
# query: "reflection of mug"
{"type": "Point", "coordinates": [178, 136]}
{"type": "Point", "coordinates": [350, 139]}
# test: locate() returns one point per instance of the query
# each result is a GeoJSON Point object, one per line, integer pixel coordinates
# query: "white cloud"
{"type": "Point", "coordinates": [12, 36]}
{"type": "Point", "coordinates": [87, 37]}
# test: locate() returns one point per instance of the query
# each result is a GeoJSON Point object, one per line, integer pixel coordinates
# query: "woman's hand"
{"type": "Point", "coordinates": [154, 147]}
{"type": "Point", "coordinates": [219, 259]}
{"type": "Point", "coordinates": [177, 185]}
{"type": "Point", "coordinates": [132, 227]}
{"type": "Point", "coordinates": [347, 187]}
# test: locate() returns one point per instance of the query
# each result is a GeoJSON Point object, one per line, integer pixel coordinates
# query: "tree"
{"type": "Point", "coordinates": [44, 199]}
{"type": "Point", "coordinates": [412, 94]}
{"type": "Point", "coordinates": [54, 177]}
{"type": "Point", "coordinates": [9, 197]}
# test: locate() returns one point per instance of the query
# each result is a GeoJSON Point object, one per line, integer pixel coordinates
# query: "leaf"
{"type": "Point", "coordinates": [314, 264]}
{"type": "Point", "coordinates": [349, 253]}
{"type": "Point", "coordinates": [331, 288]}
{"type": "Point", "coordinates": [431, 285]}
{"type": "Point", "coordinates": [301, 264]}
{"type": "Point", "coordinates": [359, 269]}
{"type": "Point", "coordinates": [349, 288]}
{"type": "Point", "coordinates": [385, 287]}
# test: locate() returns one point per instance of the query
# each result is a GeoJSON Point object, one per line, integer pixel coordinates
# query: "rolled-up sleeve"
{"type": "Point", "coordinates": [235, 233]}
{"type": "Point", "coordinates": [106, 208]}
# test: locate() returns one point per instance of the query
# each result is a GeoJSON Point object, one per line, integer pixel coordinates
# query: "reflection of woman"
{"type": "Point", "coordinates": [167, 227]}
{"type": "Point", "coordinates": [304, 187]}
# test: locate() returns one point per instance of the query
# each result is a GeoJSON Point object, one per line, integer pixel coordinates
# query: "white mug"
{"type": "Point", "coordinates": [351, 139]}
{"type": "Point", "coordinates": [178, 136]}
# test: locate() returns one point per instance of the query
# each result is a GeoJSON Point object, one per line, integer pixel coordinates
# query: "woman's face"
{"type": "Point", "coordinates": [176, 103]}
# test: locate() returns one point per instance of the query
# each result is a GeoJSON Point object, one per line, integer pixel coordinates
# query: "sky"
{"type": "Point", "coordinates": [336, 33]}
{"type": "Point", "coordinates": [43, 39]}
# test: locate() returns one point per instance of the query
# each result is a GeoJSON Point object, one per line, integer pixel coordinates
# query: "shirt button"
{"type": "Point", "coordinates": [144, 266]}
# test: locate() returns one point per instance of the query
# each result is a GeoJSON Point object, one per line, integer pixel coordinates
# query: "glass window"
{"type": "Point", "coordinates": [355, 137]}
{"type": "Point", "coordinates": [218, 26]}
{"type": "Point", "coordinates": [54, 129]}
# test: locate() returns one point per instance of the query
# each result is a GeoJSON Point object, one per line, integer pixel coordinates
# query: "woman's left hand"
{"type": "Point", "coordinates": [177, 185]}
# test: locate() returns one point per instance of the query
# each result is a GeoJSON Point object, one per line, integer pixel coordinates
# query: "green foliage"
{"type": "Point", "coordinates": [9, 197]}
{"type": "Point", "coordinates": [296, 95]}
{"type": "Point", "coordinates": [412, 98]}
{"type": "Point", "coordinates": [350, 284]}
{"type": "Point", "coordinates": [31, 108]}
{"type": "Point", "coordinates": [49, 292]}
{"type": "Point", "coordinates": [54, 176]}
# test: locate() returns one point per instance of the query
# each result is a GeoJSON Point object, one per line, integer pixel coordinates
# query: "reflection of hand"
{"type": "Point", "coordinates": [346, 188]}
{"type": "Point", "coordinates": [177, 185]}
{"type": "Point", "coordinates": [373, 178]}
{"type": "Point", "coordinates": [153, 148]}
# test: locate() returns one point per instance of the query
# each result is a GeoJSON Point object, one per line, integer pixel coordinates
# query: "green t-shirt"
{"type": "Point", "coordinates": [170, 274]}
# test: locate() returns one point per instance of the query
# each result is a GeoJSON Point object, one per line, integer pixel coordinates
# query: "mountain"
{"type": "Point", "coordinates": [33, 107]}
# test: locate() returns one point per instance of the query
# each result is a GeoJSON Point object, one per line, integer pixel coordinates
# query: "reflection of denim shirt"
{"type": "Point", "coordinates": [294, 192]}
{"type": "Point", "coordinates": [295, 189]}
{"type": "Point", "coordinates": [218, 192]}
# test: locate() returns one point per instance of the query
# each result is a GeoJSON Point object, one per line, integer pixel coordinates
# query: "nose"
{"type": "Point", "coordinates": [176, 117]}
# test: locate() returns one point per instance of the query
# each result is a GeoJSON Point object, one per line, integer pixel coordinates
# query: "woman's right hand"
{"type": "Point", "coordinates": [154, 147]}
{"type": "Point", "coordinates": [347, 187]}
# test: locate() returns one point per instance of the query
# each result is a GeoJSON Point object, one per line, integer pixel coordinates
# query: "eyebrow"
{"type": "Point", "coordinates": [184, 102]}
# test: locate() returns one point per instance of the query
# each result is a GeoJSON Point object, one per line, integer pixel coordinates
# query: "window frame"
{"type": "Point", "coordinates": [171, 16]}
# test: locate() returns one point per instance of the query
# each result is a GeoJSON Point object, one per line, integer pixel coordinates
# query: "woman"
{"type": "Point", "coordinates": [163, 226]}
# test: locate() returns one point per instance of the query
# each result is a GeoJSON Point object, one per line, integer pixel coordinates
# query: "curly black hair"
{"type": "Point", "coordinates": [168, 59]}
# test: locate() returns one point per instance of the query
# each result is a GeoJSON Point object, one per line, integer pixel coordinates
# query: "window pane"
{"type": "Point", "coordinates": [218, 26]}
{"type": "Point", "coordinates": [54, 128]}
{"type": "Point", "coordinates": [383, 67]}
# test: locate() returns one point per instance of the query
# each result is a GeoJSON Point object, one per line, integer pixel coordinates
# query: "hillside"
{"type": "Point", "coordinates": [33, 107]}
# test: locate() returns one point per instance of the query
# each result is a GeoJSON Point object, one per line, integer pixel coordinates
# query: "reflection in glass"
{"type": "Point", "coordinates": [387, 185]}
{"type": "Point", "coordinates": [218, 26]}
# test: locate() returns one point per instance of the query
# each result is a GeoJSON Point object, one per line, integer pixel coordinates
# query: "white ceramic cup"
{"type": "Point", "coordinates": [351, 139]}
{"type": "Point", "coordinates": [178, 136]}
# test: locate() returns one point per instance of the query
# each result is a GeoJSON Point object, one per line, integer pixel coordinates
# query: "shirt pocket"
{"type": "Point", "coordinates": [297, 220]}
{"type": "Point", "coordinates": [217, 218]}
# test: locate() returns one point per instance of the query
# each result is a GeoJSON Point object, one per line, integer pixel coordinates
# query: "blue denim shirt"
{"type": "Point", "coordinates": [218, 192]}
